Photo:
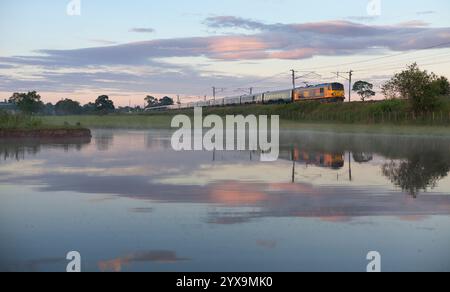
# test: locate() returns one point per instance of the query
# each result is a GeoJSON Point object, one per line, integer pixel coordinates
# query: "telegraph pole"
{"type": "Point", "coordinates": [350, 75]}
{"type": "Point", "coordinates": [216, 90]}
{"type": "Point", "coordinates": [293, 78]}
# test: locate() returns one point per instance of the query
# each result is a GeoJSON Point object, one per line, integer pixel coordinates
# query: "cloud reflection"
{"type": "Point", "coordinates": [159, 257]}
{"type": "Point", "coordinates": [138, 165]}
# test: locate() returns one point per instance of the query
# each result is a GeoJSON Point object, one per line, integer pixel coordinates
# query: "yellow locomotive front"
{"type": "Point", "coordinates": [337, 92]}
{"type": "Point", "coordinates": [329, 92]}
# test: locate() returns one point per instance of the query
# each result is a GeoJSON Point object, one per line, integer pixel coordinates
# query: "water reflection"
{"type": "Point", "coordinates": [415, 164]}
{"type": "Point", "coordinates": [19, 149]}
{"type": "Point", "coordinates": [159, 257]}
{"type": "Point", "coordinates": [190, 205]}
{"type": "Point", "coordinates": [419, 171]}
{"type": "Point", "coordinates": [362, 157]}
{"type": "Point", "coordinates": [104, 140]}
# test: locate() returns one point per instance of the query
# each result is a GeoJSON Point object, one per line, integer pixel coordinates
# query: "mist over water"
{"type": "Point", "coordinates": [127, 202]}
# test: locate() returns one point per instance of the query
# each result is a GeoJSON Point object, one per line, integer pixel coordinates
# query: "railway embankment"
{"type": "Point", "coordinates": [395, 112]}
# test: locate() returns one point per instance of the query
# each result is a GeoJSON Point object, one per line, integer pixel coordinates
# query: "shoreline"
{"type": "Point", "coordinates": [45, 133]}
{"type": "Point", "coordinates": [162, 122]}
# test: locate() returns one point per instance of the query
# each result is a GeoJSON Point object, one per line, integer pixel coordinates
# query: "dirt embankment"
{"type": "Point", "coordinates": [45, 133]}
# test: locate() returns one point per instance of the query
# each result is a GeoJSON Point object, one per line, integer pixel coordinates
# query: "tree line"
{"type": "Point", "coordinates": [31, 103]}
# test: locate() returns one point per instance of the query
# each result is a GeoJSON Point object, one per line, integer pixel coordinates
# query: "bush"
{"type": "Point", "coordinates": [390, 106]}
{"type": "Point", "coordinates": [8, 121]}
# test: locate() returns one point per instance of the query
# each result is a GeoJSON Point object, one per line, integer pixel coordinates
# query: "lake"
{"type": "Point", "coordinates": [126, 202]}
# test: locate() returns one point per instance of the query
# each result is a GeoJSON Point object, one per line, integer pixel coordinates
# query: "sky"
{"type": "Point", "coordinates": [130, 49]}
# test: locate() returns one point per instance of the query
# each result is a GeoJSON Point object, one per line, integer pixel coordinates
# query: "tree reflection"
{"type": "Point", "coordinates": [18, 149]}
{"type": "Point", "coordinates": [362, 157]}
{"type": "Point", "coordinates": [418, 172]}
{"type": "Point", "coordinates": [104, 141]}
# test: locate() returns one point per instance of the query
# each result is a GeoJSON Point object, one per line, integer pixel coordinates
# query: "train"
{"type": "Point", "coordinates": [326, 92]}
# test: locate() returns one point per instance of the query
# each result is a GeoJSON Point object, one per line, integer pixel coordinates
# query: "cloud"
{"type": "Point", "coordinates": [103, 42]}
{"type": "Point", "coordinates": [271, 41]}
{"type": "Point", "coordinates": [6, 66]}
{"type": "Point", "coordinates": [120, 63]}
{"type": "Point", "coordinates": [142, 30]}
{"type": "Point", "coordinates": [427, 12]}
{"type": "Point", "coordinates": [363, 18]}
{"type": "Point", "coordinates": [414, 23]}
{"type": "Point", "coordinates": [232, 21]}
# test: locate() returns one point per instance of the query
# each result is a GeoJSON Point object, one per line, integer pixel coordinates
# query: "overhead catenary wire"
{"type": "Point", "coordinates": [320, 71]}
{"type": "Point", "coordinates": [379, 58]}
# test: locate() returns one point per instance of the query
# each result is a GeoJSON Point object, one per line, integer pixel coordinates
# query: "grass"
{"type": "Point", "coordinates": [116, 121]}
{"type": "Point", "coordinates": [389, 112]}
{"type": "Point", "coordinates": [385, 117]}
{"type": "Point", "coordinates": [162, 121]}
{"type": "Point", "coordinates": [19, 122]}
{"type": "Point", "coordinates": [29, 123]}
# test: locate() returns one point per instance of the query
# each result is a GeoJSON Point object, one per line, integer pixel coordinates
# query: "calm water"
{"type": "Point", "coordinates": [127, 202]}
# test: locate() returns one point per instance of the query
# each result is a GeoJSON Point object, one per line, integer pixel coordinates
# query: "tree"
{"type": "Point", "coordinates": [364, 89]}
{"type": "Point", "coordinates": [49, 109]}
{"type": "Point", "coordinates": [420, 87]}
{"type": "Point", "coordinates": [441, 86]}
{"type": "Point", "coordinates": [104, 105]}
{"type": "Point", "coordinates": [151, 101]}
{"type": "Point", "coordinates": [89, 108]}
{"type": "Point", "coordinates": [68, 107]}
{"type": "Point", "coordinates": [165, 101]}
{"type": "Point", "coordinates": [28, 103]}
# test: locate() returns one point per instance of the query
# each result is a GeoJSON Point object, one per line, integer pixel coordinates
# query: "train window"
{"type": "Point", "coordinates": [338, 86]}
{"type": "Point", "coordinates": [322, 90]}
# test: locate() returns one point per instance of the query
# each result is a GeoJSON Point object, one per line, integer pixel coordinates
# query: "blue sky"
{"type": "Point", "coordinates": [185, 47]}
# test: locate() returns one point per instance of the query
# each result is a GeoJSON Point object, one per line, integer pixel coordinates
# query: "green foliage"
{"type": "Point", "coordinates": [419, 87]}
{"type": "Point", "coordinates": [165, 101]}
{"type": "Point", "coordinates": [28, 103]}
{"type": "Point", "coordinates": [154, 102]}
{"type": "Point", "coordinates": [364, 89]}
{"type": "Point", "coordinates": [49, 109]}
{"type": "Point", "coordinates": [104, 105]}
{"type": "Point", "coordinates": [89, 108]}
{"type": "Point", "coordinates": [68, 107]}
{"type": "Point", "coordinates": [390, 106]}
{"type": "Point", "coordinates": [441, 86]}
{"type": "Point", "coordinates": [151, 101]}
{"type": "Point", "coordinates": [22, 121]}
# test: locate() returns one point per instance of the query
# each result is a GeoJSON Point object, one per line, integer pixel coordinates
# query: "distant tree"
{"type": "Point", "coordinates": [49, 109]}
{"type": "Point", "coordinates": [28, 103]}
{"type": "Point", "coordinates": [88, 108]}
{"type": "Point", "coordinates": [151, 101]}
{"type": "Point", "coordinates": [165, 101]}
{"type": "Point", "coordinates": [68, 107]}
{"type": "Point", "coordinates": [104, 105]}
{"type": "Point", "coordinates": [420, 87]}
{"type": "Point", "coordinates": [364, 89]}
